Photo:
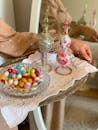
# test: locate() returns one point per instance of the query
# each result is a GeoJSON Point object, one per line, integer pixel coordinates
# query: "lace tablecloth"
{"type": "Point", "coordinates": [15, 110]}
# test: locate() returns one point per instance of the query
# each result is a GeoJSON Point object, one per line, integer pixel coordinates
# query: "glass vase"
{"type": "Point", "coordinates": [63, 54]}
{"type": "Point", "coordinates": [45, 44]}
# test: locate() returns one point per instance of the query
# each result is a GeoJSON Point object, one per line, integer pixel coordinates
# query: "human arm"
{"type": "Point", "coordinates": [89, 33]}
{"type": "Point", "coordinates": [81, 49]}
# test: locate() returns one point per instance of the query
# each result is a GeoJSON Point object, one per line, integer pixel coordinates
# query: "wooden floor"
{"type": "Point", "coordinates": [92, 93]}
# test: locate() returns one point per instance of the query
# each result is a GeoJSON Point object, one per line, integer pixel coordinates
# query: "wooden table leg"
{"type": "Point", "coordinates": [38, 120]}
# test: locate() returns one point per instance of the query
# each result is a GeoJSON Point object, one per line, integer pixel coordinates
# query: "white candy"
{"type": "Point", "coordinates": [35, 84]}
{"type": "Point", "coordinates": [16, 82]}
{"type": "Point", "coordinates": [10, 81]}
{"type": "Point", "coordinates": [37, 78]}
{"type": "Point", "coordinates": [41, 80]}
{"type": "Point", "coordinates": [23, 68]}
{"type": "Point", "coordinates": [34, 88]}
{"type": "Point", "coordinates": [6, 73]}
{"type": "Point", "coordinates": [19, 76]}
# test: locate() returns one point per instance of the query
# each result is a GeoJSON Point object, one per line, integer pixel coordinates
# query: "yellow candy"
{"type": "Point", "coordinates": [28, 74]}
{"type": "Point", "coordinates": [24, 80]}
{"type": "Point", "coordinates": [20, 90]}
{"type": "Point", "coordinates": [28, 70]}
{"type": "Point", "coordinates": [25, 74]}
{"type": "Point", "coordinates": [26, 90]}
{"type": "Point", "coordinates": [15, 79]}
{"type": "Point", "coordinates": [32, 71]}
{"type": "Point", "coordinates": [34, 88]}
{"type": "Point", "coordinates": [30, 80]}
{"type": "Point", "coordinates": [2, 77]}
{"type": "Point", "coordinates": [21, 84]}
{"type": "Point", "coordinates": [17, 86]}
{"type": "Point", "coordinates": [33, 75]}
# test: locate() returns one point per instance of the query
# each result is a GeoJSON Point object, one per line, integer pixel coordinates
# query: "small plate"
{"type": "Point", "coordinates": [22, 92]}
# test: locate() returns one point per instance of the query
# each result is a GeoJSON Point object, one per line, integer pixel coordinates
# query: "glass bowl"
{"type": "Point", "coordinates": [34, 90]}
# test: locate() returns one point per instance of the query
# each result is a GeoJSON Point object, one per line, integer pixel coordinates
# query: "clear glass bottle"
{"type": "Point", "coordinates": [45, 43]}
{"type": "Point", "coordinates": [63, 54]}
{"type": "Point", "coordinates": [82, 20]}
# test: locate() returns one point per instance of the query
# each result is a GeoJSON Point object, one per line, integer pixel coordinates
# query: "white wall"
{"type": "Point", "coordinates": [7, 12]}
{"type": "Point", "coordinates": [75, 7]}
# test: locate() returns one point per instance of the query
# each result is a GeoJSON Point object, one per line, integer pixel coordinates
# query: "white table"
{"type": "Point", "coordinates": [71, 90]}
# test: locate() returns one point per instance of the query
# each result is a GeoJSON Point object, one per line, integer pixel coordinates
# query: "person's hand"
{"type": "Point", "coordinates": [81, 50]}
{"type": "Point", "coordinates": [89, 33]}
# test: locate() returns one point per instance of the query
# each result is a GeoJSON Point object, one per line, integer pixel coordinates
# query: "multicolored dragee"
{"type": "Point", "coordinates": [21, 78]}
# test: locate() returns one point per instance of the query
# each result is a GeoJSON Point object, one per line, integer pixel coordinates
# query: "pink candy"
{"type": "Point", "coordinates": [61, 58]}
{"type": "Point", "coordinates": [6, 73]}
{"type": "Point", "coordinates": [68, 45]}
{"type": "Point", "coordinates": [26, 86]}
